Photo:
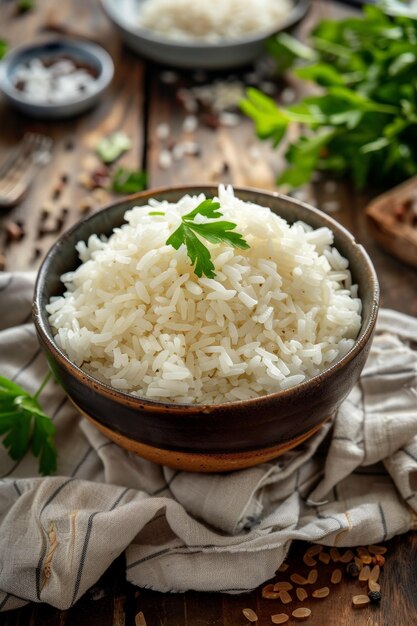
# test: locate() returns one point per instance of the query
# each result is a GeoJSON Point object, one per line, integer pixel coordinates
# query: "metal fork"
{"type": "Point", "coordinates": [17, 172]}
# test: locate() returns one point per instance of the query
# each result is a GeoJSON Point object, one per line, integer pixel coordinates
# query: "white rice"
{"type": "Point", "coordinates": [212, 21]}
{"type": "Point", "coordinates": [136, 316]}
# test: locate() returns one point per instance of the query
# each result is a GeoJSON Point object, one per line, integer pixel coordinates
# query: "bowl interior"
{"type": "Point", "coordinates": [63, 257]}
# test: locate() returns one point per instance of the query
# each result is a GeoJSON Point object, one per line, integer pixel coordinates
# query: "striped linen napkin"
{"type": "Point", "coordinates": [354, 483]}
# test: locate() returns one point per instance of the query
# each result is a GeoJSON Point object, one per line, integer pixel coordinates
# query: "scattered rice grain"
{"type": "Point", "coordinates": [250, 615]}
{"type": "Point", "coordinates": [165, 159]}
{"type": "Point", "coordinates": [347, 556]}
{"type": "Point", "coordinates": [335, 555]}
{"type": "Point", "coordinates": [301, 594]}
{"type": "Point", "coordinates": [364, 573]}
{"type": "Point", "coordinates": [378, 560]}
{"type": "Point", "coordinates": [285, 597]}
{"type": "Point", "coordinates": [298, 579]}
{"type": "Point", "coordinates": [140, 619]}
{"type": "Point", "coordinates": [323, 592]}
{"type": "Point", "coordinates": [301, 613]}
{"type": "Point", "coordinates": [373, 586]}
{"type": "Point", "coordinates": [279, 618]}
{"type": "Point", "coordinates": [309, 561]}
{"type": "Point", "coordinates": [324, 557]}
{"type": "Point", "coordinates": [163, 131]}
{"type": "Point", "coordinates": [283, 586]}
{"type": "Point", "coordinates": [374, 575]}
{"type": "Point", "coordinates": [313, 550]}
{"type": "Point", "coordinates": [312, 576]}
{"type": "Point", "coordinates": [336, 576]}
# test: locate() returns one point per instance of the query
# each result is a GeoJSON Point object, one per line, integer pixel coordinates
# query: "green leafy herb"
{"type": "Point", "coordinates": [3, 48]}
{"type": "Point", "coordinates": [24, 425]}
{"type": "Point", "coordinates": [25, 5]}
{"type": "Point", "coordinates": [127, 181]}
{"type": "Point", "coordinates": [214, 232]}
{"type": "Point", "coordinates": [364, 122]}
{"type": "Point", "coordinates": [110, 148]}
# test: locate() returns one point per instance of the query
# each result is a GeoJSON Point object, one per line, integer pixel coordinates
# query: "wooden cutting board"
{"type": "Point", "coordinates": [392, 220]}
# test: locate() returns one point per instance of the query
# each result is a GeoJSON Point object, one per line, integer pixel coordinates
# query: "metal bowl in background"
{"type": "Point", "coordinates": [84, 52]}
{"type": "Point", "coordinates": [211, 437]}
{"type": "Point", "coordinates": [221, 55]}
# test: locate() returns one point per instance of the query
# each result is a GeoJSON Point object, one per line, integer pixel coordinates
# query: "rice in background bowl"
{"type": "Point", "coordinates": [214, 21]}
{"type": "Point", "coordinates": [135, 315]}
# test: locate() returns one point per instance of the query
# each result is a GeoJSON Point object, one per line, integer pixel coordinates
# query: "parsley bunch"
{"type": "Point", "coordinates": [364, 122]}
{"type": "Point", "coordinates": [214, 232]}
{"type": "Point", "coordinates": [25, 425]}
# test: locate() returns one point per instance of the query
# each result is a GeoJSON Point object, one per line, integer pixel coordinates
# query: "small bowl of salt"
{"type": "Point", "coordinates": [56, 79]}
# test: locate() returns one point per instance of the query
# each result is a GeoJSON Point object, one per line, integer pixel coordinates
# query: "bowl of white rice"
{"type": "Point", "coordinates": [55, 79]}
{"type": "Point", "coordinates": [207, 373]}
{"type": "Point", "coordinates": [218, 34]}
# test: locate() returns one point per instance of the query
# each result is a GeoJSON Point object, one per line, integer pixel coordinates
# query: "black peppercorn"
{"type": "Point", "coordinates": [375, 597]}
{"type": "Point", "coordinates": [352, 570]}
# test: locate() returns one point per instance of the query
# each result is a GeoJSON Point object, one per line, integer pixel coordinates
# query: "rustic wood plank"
{"type": "Point", "coordinates": [74, 139]}
{"type": "Point", "coordinates": [160, 608]}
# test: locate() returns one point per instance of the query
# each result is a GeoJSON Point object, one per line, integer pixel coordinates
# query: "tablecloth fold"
{"type": "Point", "coordinates": [354, 483]}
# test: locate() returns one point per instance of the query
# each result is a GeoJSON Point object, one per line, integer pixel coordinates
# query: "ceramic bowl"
{"type": "Point", "coordinates": [83, 52]}
{"type": "Point", "coordinates": [218, 437]}
{"type": "Point", "coordinates": [221, 55]}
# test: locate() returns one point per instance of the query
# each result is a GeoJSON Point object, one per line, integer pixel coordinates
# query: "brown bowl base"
{"type": "Point", "coordinates": [199, 461]}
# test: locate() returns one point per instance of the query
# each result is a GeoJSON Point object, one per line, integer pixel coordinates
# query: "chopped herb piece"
{"type": "Point", "coordinates": [214, 232]}
{"type": "Point", "coordinates": [156, 213]}
{"type": "Point", "coordinates": [128, 181]}
{"type": "Point", "coordinates": [24, 425]}
{"type": "Point", "coordinates": [3, 48]}
{"type": "Point", "coordinates": [25, 5]}
{"type": "Point", "coordinates": [110, 148]}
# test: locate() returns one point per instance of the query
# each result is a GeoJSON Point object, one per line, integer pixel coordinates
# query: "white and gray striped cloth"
{"type": "Point", "coordinates": [354, 483]}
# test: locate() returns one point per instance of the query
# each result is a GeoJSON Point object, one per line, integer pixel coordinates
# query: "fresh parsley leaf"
{"type": "Point", "coordinates": [126, 181]}
{"type": "Point", "coordinates": [24, 425]}
{"type": "Point", "coordinates": [208, 208]}
{"type": "Point", "coordinates": [3, 48]}
{"type": "Point", "coordinates": [25, 5]}
{"type": "Point", "coordinates": [287, 49]}
{"type": "Point", "coordinates": [214, 232]}
{"type": "Point", "coordinates": [112, 147]}
{"type": "Point", "coordinates": [365, 117]}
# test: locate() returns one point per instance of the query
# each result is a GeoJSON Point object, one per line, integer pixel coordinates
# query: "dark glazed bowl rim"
{"type": "Point", "coordinates": [297, 13]}
{"type": "Point", "coordinates": [140, 402]}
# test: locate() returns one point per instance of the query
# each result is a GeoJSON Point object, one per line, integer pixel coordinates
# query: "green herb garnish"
{"type": "Point", "coordinates": [364, 123]}
{"type": "Point", "coordinates": [25, 425]}
{"type": "Point", "coordinates": [110, 148]}
{"type": "Point", "coordinates": [214, 232]}
{"type": "Point", "coordinates": [25, 5]}
{"type": "Point", "coordinates": [156, 213]}
{"type": "Point", "coordinates": [128, 181]}
{"type": "Point", "coordinates": [3, 48]}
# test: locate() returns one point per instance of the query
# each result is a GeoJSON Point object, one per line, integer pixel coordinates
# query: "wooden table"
{"type": "Point", "coordinates": [139, 100]}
